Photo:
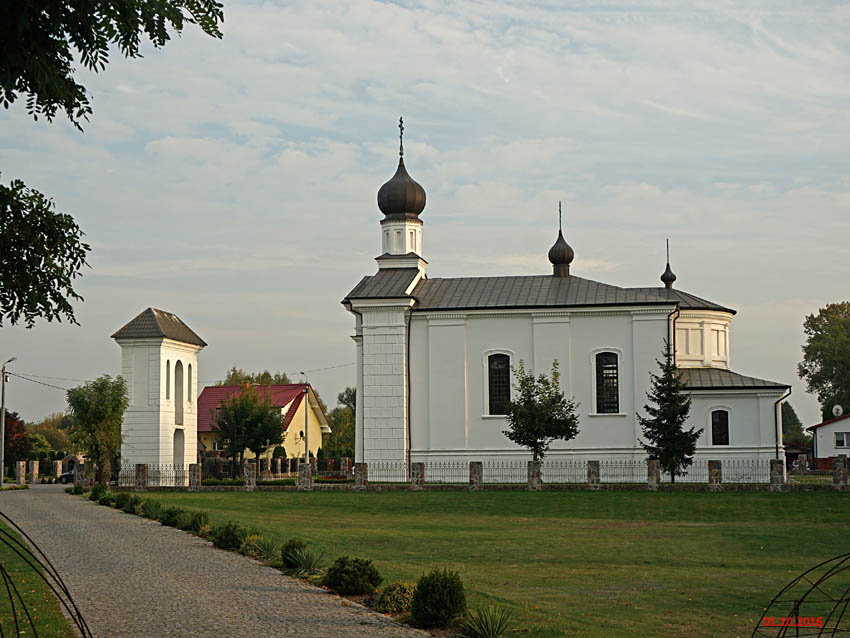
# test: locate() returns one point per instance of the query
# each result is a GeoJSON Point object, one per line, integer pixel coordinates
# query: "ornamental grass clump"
{"type": "Point", "coordinates": [121, 499]}
{"type": "Point", "coordinates": [286, 552]}
{"type": "Point", "coordinates": [306, 561]}
{"type": "Point", "coordinates": [487, 622]}
{"type": "Point", "coordinates": [184, 521]}
{"type": "Point", "coordinates": [151, 509]}
{"type": "Point", "coordinates": [269, 548]}
{"type": "Point", "coordinates": [200, 520]}
{"type": "Point", "coordinates": [352, 576]}
{"type": "Point", "coordinates": [395, 598]}
{"type": "Point", "coordinates": [132, 504]}
{"type": "Point", "coordinates": [228, 536]}
{"type": "Point", "coordinates": [439, 599]}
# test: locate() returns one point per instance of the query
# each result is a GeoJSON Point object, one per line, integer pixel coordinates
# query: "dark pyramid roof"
{"type": "Point", "coordinates": [153, 323]}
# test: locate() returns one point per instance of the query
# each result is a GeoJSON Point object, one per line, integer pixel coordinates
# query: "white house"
{"type": "Point", "coordinates": [434, 356]}
{"type": "Point", "coordinates": [831, 438]}
{"type": "Point", "coordinates": [159, 360]}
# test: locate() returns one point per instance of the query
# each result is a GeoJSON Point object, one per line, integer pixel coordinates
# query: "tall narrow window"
{"type": "Point", "coordinates": [189, 384]}
{"type": "Point", "coordinates": [167, 379]}
{"type": "Point", "coordinates": [499, 382]}
{"type": "Point", "coordinates": [607, 384]}
{"type": "Point", "coordinates": [178, 393]}
{"type": "Point", "coordinates": [412, 242]}
{"type": "Point", "coordinates": [720, 427]}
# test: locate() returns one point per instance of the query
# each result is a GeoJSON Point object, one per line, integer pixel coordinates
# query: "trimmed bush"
{"type": "Point", "coordinates": [132, 504]}
{"type": "Point", "coordinates": [151, 509]}
{"type": "Point", "coordinates": [439, 599]}
{"type": "Point", "coordinates": [227, 481]}
{"type": "Point", "coordinates": [228, 536]}
{"type": "Point", "coordinates": [286, 552]}
{"type": "Point", "coordinates": [395, 598]}
{"type": "Point", "coordinates": [77, 489]}
{"type": "Point", "coordinates": [171, 515]}
{"type": "Point", "coordinates": [121, 499]}
{"type": "Point", "coordinates": [97, 492]}
{"type": "Point", "coordinates": [352, 576]}
{"type": "Point", "coordinates": [288, 481]}
{"type": "Point", "coordinates": [200, 520]}
{"type": "Point", "coordinates": [107, 499]}
{"type": "Point", "coordinates": [487, 622]}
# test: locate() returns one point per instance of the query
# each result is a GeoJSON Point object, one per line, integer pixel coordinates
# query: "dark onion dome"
{"type": "Point", "coordinates": [667, 277]}
{"type": "Point", "coordinates": [402, 196]}
{"type": "Point", "coordinates": [561, 256]}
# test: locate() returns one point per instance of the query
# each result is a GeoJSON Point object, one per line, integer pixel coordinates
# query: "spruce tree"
{"type": "Point", "coordinates": [668, 442]}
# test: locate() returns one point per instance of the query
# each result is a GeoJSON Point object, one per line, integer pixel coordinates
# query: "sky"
{"type": "Point", "coordinates": [233, 181]}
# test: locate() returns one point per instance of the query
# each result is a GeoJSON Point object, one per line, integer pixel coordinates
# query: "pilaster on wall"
{"type": "Point", "coordinates": [383, 342]}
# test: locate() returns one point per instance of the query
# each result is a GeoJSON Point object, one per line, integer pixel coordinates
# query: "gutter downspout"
{"type": "Point", "coordinates": [776, 420]}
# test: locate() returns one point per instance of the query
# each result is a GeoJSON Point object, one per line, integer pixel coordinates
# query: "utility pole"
{"type": "Point", "coordinates": [3, 420]}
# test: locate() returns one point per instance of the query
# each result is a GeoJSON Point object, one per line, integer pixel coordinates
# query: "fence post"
{"type": "Point", "coordinates": [535, 475]}
{"type": "Point", "coordinates": [21, 472]}
{"type": "Point", "coordinates": [57, 468]}
{"type": "Point", "coordinates": [777, 474]}
{"type": "Point", "coordinates": [305, 476]}
{"type": "Point", "coordinates": [476, 475]}
{"type": "Point", "coordinates": [361, 476]}
{"type": "Point", "coordinates": [839, 472]}
{"type": "Point", "coordinates": [32, 474]}
{"type": "Point", "coordinates": [653, 474]}
{"type": "Point", "coordinates": [715, 476]}
{"type": "Point", "coordinates": [593, 475]}
{"type": "Point", "coordinates": [194, 477]}
{"type": "Point", "coordinates": [141, 480]}
{"type": "Point", "coordinates": [417, 476]}
{"type": "Point", "coordinates": [250, 474]}
{"type": "Point", "coordinates": [79, 474]}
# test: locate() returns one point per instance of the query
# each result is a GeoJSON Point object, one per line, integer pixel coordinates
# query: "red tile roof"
{"type": "Point", "coordinates": [838, 418]}
{"type": "Point", "coordinates": [280, 394]}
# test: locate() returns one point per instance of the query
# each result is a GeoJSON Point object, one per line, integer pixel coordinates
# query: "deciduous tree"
{"type": "Point", "coordinates": [16, 440]}
{"type": "Point", "coordinates": [540, 413]}
{"type": "Point", "coordinates": [668, 441]}
{"type": "Point", "coordinates": [245, 421]}
{"type": "Point", "coordinates": [238, 376]}
{"type": "Point", "coordinates": [826, 356]}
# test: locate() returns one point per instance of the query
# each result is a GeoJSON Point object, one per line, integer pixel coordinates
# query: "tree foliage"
{"type": "Point", "coordinates": [792, 427]}
{"type": "Point", "coordinates": [668, 441]}
{"type": "Point", "coordinates": [41, 253]}
{"type": "Point", "coordinates": [540, 414]}
{"type": "Point", "coordinates": [238, 376]}
{"type": "Point", "coordinates": [98, 410]}
{"type": "Point", "coordinates": [49, 428]}
{"type": "Point", "coordinates": [826, 356]}
{"type": "Point", "coordinates": [40, 39]}
{"type": "Point", "coordinates": [15, 439]}
{"type": "Point", "coordinates": [340, 441]}
{"type": "Point", "coordinates": [39, 447]}
{"type": "Point", "coordinates": [247, 421]}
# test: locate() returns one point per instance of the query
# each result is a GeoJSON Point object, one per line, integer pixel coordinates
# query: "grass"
{"type": "Point", "coordinates": [40, 601]}
{"type": "Point", "coordinates": [585, 563]}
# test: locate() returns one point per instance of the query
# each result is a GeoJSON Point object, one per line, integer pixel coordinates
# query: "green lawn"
{"type": "Point", "coordinates": [571, 563]}
{"type": "Point", "coordinates": [40, 601]}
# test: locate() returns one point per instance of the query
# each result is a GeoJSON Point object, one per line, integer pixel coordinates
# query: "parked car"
{"type": "Point", "coordinates": [66, 477]}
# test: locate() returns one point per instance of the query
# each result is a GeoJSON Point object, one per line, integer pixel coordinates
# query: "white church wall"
{"type": "Point", "coordinates": [702, 339]}
{"type": "Point", "coordinates": [751, 424]}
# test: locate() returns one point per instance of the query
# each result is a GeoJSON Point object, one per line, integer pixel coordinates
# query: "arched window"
{"type": "Point", "coordinates": [189, 384]}
{"type": "Point", "coordinates": [607, 383]}
{"type": "Point", "coordinates": [720, 427]}
{"type": "Point", "coordinates": [498, 383]}
{"type": "Point", "coordinates": [178, 393]}
{"type": "Point", "coordinates": [167, 379]}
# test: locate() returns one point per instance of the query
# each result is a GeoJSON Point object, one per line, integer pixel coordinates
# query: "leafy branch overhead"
{"type": "Point", "coordinates": [39, 39]}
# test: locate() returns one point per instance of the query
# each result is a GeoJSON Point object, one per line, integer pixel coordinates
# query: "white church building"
{"type": "Point", "coordinates": [434, 356]}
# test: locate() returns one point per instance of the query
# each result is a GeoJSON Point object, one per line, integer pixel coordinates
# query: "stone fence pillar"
{"type": "Point", "coordinates": [653, 474]}
{"type": "Point", "coordinates": [777, 474]}
{"type": "Point", "coordinates": [305, 476]}
{"type": "Point", "coordinates": [476, 475]}
{"type": "Point", "coordinates": [57, 468]}
{"type": "Point", "coordinates": [21, 472]}
{"type": "Point", "coordinates": [593, 475]}
{"type": "Point", "coordinates": [417, 476]}
{"type": "Point", "coordinates": [535, 475]}
{"type": "Point", "coordinates": [140, 482]}
{"type": "Point", "coordinates": [194, 477]}
{"type": "Point", "coordinates": [361, 476]}
{"type": "Point", "coordinates": [32, 473]}
{"type": "Point", "coordinates": [839, 472]}
{"type": "Point", "coordinates": [715, 476]}
{"type": "Point", "coordinates": [79, 474]}
{"type": "Point", "coordinates": [250, 473]}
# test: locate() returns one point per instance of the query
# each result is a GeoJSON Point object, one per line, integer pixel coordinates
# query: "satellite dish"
{"type": "Point", "coordinates": [837, 410]}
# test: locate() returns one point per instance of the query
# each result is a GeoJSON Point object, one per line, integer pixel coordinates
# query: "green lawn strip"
{"type": "Point", "coordinates": [595, 564]}
{"type": "Point", "coordinates": [40, 600]}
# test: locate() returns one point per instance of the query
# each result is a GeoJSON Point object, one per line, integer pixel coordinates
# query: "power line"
{"type": "Point", "coordinates": [44, 376]}
{"type": "Point", "coordinates": [49, 385]}
{"type": "Point", "coordinates": [341, 365]}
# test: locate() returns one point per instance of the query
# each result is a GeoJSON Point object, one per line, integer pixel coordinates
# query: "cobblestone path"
{"type": "Point", "coordinates": [133, 577]}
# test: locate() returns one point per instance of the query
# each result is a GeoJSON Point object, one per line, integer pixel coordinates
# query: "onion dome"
{"type": "Point", "coordinates": [561, 254]}
{"type": "Point", "coordinates": [402, 196]}
{"type": "Point", "coordinates": [667, 277]}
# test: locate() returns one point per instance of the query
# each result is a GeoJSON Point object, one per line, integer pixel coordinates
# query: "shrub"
{"type": "Point", "coordinates": [395, 598]}
{"type": "Point", "coordinates": [352, 576]}
{"type": "Point", "coordinates": [269, 548]}
{"type": "Point", "coordinates": [439, 599]}
{"type": "Point", "coordinates": [251, 546]}
{"type": "Point", "coordinates": [121, 499]}
{"type": "Point", "coordinates": [200, 520]}
{"type": "Point", "coordinates": [107, 499]}
{"type": "Point", "coordinates": [226, 481]}
{"type": "Point", "coordinates": [228, 536]}
{"type": "Point", "coordinates": [77, 489]}
{"type": "Point", "coordinates": [132, 504]}
{"type": "Point", "coordinates": [487, 622]}
{"type": "Point", "coordinates": [170, 516]}
{"type": "Point", "coordinates": [306, 561]}
{"type": "Point", "coordinates": [69, 490]}
{"type": "Point", "coordinates": [286, 552]}
{"type": "Point", "coordinates": [151, 509]}
{"type": "Point", "coordinates": [184, 521]}
{"type": "Point", "coordinates": [288, 481]}
{"type": "Point", "coordinates": [97, 492]}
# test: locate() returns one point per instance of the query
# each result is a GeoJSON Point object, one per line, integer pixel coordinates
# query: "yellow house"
{"type": "Point", "coordinates": [288, 398]}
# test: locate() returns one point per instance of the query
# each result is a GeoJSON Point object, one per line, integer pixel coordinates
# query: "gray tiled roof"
{"type": "Point", "coordinates": [153, 323]}
{"type": "Point", "coordinates": [685, 299]}
{"type": "Point", "coordinates": [390, 282]}
{"type": "Point", "coordinates": [716, 378]}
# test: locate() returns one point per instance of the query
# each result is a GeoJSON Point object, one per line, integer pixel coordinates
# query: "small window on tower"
{"type": "Point", "coordinates": [412, 241]}
{"type": "Point", "coordinates": [398, 241]}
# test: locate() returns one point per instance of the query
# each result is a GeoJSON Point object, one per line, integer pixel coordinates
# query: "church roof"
{"type": "Point", "coordinates": [388, 283]}
{"type": "Point", "coordinates": [718, 378]}
{"type": "Point", "coordinates": [153, 323]}
{"type": "Point", "coordinates": [686, 300]}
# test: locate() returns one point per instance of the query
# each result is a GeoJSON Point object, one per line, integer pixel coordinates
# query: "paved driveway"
{"type": "Point", "coordinates": [133, 577]}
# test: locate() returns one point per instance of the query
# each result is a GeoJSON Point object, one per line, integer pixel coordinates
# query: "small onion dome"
{"type": "Point", "coordinates": [402, 196]}
{"type": "Point", "coordinates": [667, 277]}
{"type": "Point", "coordinates": [561, 256]}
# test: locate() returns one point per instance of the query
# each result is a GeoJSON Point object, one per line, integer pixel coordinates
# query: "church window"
{"type": "Point", "coordinates": [398, 241]}
{"type": "Point", "coordinates": [607, 383]}
{"type": "Point", "coordinates": [499, 382]}
{"type": "Point", "coordinates": [412, 241]}
{"type": "Point", "coordinates": [167, 379]}
{"type": "Point", "coordinates": [720, 427]}
{"type": "Point", "coordinates": [189, 385]}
